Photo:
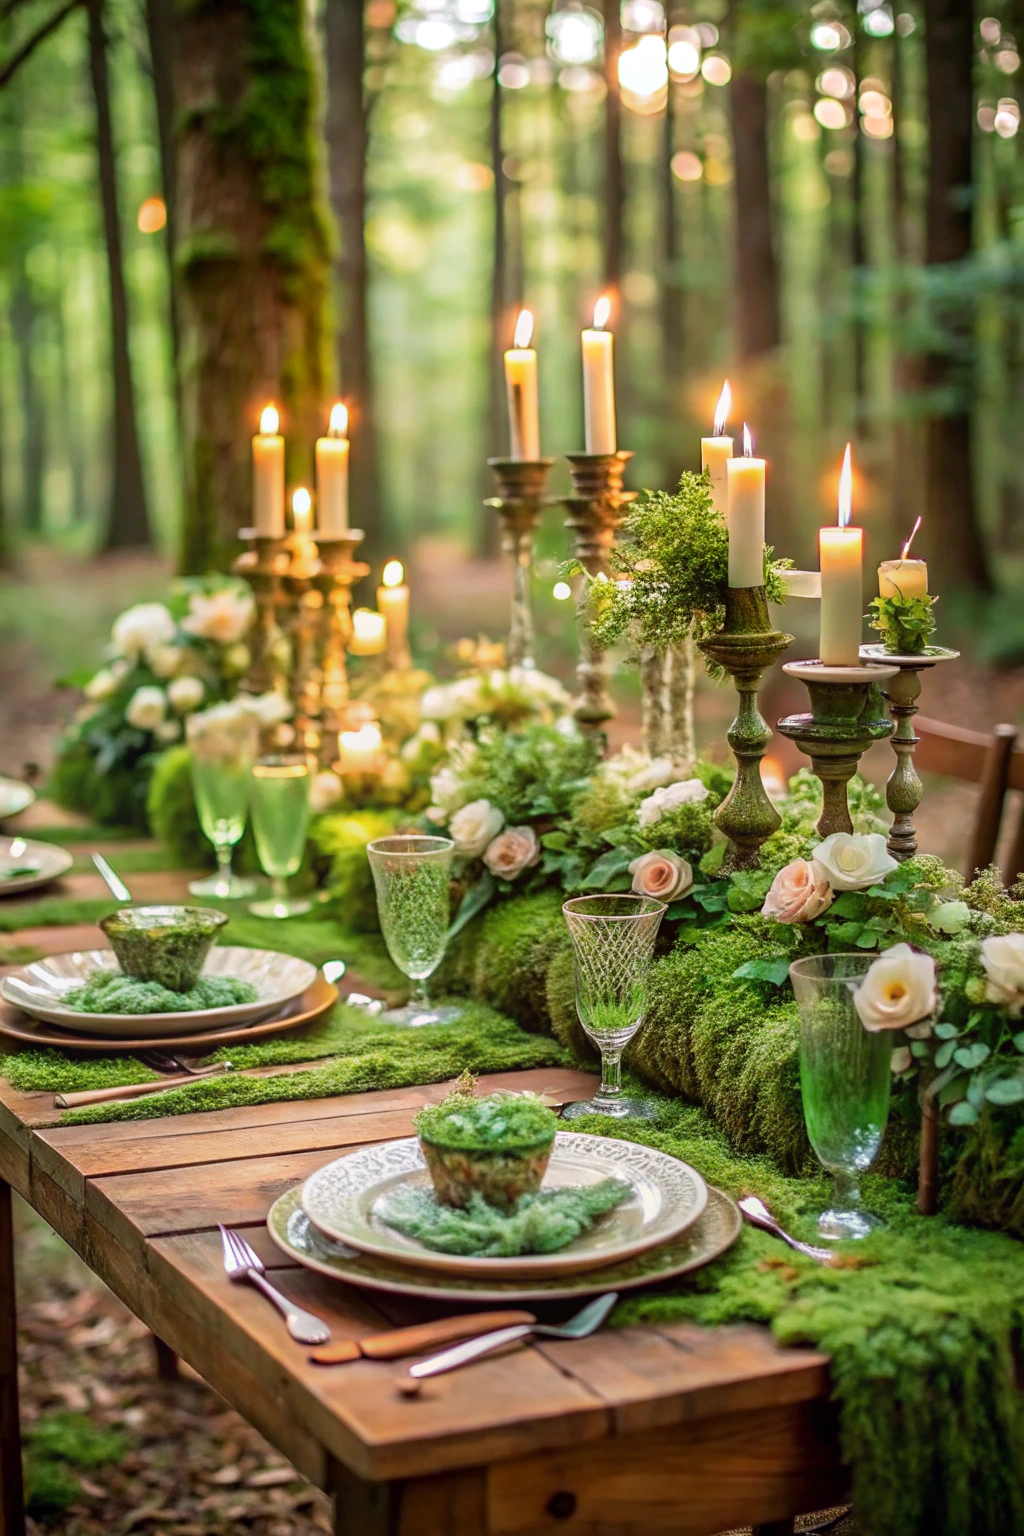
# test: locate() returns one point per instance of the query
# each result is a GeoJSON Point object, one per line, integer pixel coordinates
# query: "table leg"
{"type": "Point", "coordinates": [12, 1504]}
{"type": "Point", "coordinates": [451, 1505]}
{"type": "Point", "coordinates": [166, 1360]}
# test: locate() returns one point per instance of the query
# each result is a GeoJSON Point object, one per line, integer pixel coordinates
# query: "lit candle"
{"type": "Point", "coordinates": [369, 633]}
{"type": "Point", "coordinates": [359, 751]}
{"type": "Point", "coordinates": [599, 382]}
{"type": "Point", "coordinates": [268, 477]}
{"type": "Point", "coordinates": [521, 383]}
{"type": "Point", "coordinates": [302, 511]}
{"type": "Point", "coordinates": [840, 553]}
{"type": "Point", "coordinates": [745, 517]}
{"type": "Point", "coordinates": [332, 474]}
{"type": "Point", "coordinates": [393, 603]}
{"type": "Point", "coordinates": [716, 451]}
{"type": "Point", "coordinates": [903, 577]}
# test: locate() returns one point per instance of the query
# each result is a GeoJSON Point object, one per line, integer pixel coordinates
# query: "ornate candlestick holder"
{"type": "Point", "coordinates": [520, 501]}
{"type": "Point", "coordinates": [335, 576]}
{"type": "Point", "coordinates": [595, 512]}
{"type": "Point", "coordinates": [304, 607]}
{"type": "Point", "coordinates": [263, 564]}
{"type": "Point", "coordinates": [847, 715]}
{"type": "Point", "coordinates": [745, 646]}
{"type": "Point", "coordinates": [904, 789]}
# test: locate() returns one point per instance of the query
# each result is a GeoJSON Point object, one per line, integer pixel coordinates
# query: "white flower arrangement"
{"type": "Point", "coordinates": [668, 798]}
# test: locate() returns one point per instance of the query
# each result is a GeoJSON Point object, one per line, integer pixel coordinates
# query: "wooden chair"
{"type": "Point", "coordinates": [996, 764]}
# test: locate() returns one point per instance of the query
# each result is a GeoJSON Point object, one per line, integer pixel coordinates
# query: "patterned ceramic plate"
{"type": "Point", "coordinates": [344, 1201]}
{"type": "Point", "coordinates": [39, 987]}
{"type": "Point", "coordinates": [715, 1230]}
{"type": "Point", "coordinates": [14, 797]}
{"type": "Point", "coordinates": [38, 863]}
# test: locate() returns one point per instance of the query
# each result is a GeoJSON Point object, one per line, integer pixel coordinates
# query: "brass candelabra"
{"type": "Point", "coordinates": [520, 501]}
{"type": "Point", "coordinates": [263, 563]}
{"type": "Point", "coordinates": [595, 512]}
{"type": "Point", "coordinates": [847, 714]}
{"type": "Point", "coordinates": [336, 576]}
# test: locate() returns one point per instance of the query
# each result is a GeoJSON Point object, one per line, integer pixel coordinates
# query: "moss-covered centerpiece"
{"type": "Point", "coordinates": [497, 1147]}
{"type": "Point", "coordinates": [165, 944]}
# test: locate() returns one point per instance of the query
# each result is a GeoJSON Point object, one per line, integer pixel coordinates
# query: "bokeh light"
{"type": "Point", "coordinates": [152, 215]}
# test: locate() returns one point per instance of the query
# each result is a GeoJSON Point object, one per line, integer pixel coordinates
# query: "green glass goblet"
{"type": "Point", "coordinates": [845, 1081]}
{"type": "Point", "coordinates": [613, 947]}
{"type": "Point", "coordinates": [280, 819]}
{"type": "Point", "coordinates": [222, 745]}
{"type": "Point", "coordinates": [411, 875]}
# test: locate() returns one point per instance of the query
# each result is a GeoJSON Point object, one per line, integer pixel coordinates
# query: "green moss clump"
{"type": "Point", "coordinates": [115, 798]}
{"type": "Point", "coordinates": [110, 992]}
{"type": "Point", "coordinates": [539, 1223]}
{"type": "Point", "coordinates": [172, 810]}
{"type": "Point", "coordinates": [689, 828]}
{"type": "Point", "coordinates": [342, 839]}
{"type": "Point", "coordinates": [517, 943]}
{"type": "Point", "coordinates": [54, 1445]}
{"type": "Point", "coordinates": [502, 1122]}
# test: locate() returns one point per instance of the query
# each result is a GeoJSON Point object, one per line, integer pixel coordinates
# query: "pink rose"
{"type": "Point", "coordinates": [511, 852]}
{"type": "Point", "coordinates": [661, 874]}
{"type": "Point", "coordinates": [798, 893]}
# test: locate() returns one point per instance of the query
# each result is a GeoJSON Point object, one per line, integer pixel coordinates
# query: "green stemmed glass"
{"type": "Point", "coordinates": [411, 875]}
{"type": "Point", "coordinates": [845, 1081]}
{"type": "Point", "coordinates": [223, 745]}
{"type": "Point", "coordinates": [280, 819]}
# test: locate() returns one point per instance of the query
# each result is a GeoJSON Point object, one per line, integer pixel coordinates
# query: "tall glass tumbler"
{"type": "Point", "coordinates": [222, 745]}
{"type": "Point", "coordinates": [613, 946]}
{"type": "Point", "coordinates": [411, 873]}
{"type": "Point", "coordinates": [280, 820]}
{"type": "Point", "coordinates": [845, 1081]}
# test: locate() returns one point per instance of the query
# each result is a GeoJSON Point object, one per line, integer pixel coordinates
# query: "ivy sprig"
{"type": "Point", "coordinates": [904, 623]}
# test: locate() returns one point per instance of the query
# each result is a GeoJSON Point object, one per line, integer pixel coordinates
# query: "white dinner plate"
{"type": "Point", "coordinates": [14, 797]}
{"type": "Point", "coordinates": [46, 861]}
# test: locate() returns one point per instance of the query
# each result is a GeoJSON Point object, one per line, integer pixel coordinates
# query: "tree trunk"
{"type": "Point", "coordinates": [489, 541]}
{"type": "Point", "coordinates": [160, 30]}
{"type": "Point", "coordinates": [24, 317]}
{"type": "Point", "coordinates": [955, 549]}
{"type": "Point", "coordinates": [71, 424]}
{"type": "Point", "coordinates": [757, 273]}
{"type": "Point", "coordinates": [253, 254]}
{"type": "Point", "coordinates": [614, 193]}
{"type": "Point", "coordinates": [347, 141]}
{"type": "Point", "coordinates": [858, 249]}
{"type": "Point", "coordinates": [128, 525]}
{"type": "Point", "coordinates": [673, 329]}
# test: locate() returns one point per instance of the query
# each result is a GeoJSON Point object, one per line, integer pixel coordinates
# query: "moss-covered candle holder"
{"type": "Point", "coordinates": [595, 511]}
{"type": "Point", "coordinates": [745, 645]}
{"type": "Point", "coordinates": [847, 715]}
{"type": "Point", "coordinates": [520, 501]}
{"type": "Point", "coordinates": [904, 789]}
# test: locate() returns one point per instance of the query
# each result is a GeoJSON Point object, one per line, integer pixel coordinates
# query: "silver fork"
{"type": "Point", "coordinates": [587, 1321]}
{"type": "Point", "coordinates": [758, 1214]}
{"type": "Point", "coordinates": [242, 1263]}
{"type": "Point", "coordinates": [163, 1063]}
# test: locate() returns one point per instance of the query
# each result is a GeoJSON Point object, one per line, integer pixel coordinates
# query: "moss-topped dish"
{"type": "Point", "coordinates": [163, 944]}
{"type": "Point", "coordinates": [497, 1147]}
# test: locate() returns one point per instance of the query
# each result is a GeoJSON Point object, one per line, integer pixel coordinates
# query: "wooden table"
{"type": "Point", "coordinates": [671, 1429]}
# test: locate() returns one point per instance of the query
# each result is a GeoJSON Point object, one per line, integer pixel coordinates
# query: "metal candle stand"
{"type": "Point", "coordinates": [263, 564]}
{"type": "Point", "coordinates": [304, 606]}
{"type": "Point", "coordinates": [903, 790]}
{"type": "Point", "coordinates": [595, 513]}
{"type": "Point", "coordinates": [519, 504]}
{"type": "Point", "coordinates": [334, 580]}
{"type": "Point", "coordinates": [745, 646]}
{"type": "Point", "coordinates": [847, 715]}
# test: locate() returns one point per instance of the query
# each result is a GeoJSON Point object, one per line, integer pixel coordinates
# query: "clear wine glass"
{"type": "Point", "coordinates": [845, 1081]}
{"type": "Point", "coordinates": [223, 746]}
{"type": "Point", "coordinates": [411, 873]}
{"type": "Point", "coordinates": [613, 946]}
{"type": "Point", "coordinates": [280, 818]}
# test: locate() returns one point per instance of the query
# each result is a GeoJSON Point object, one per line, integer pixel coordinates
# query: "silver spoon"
{"type": "Point", "coordinates": [586, 1321]}
{"type": "Point", "coordinates": [114, 883]}
{"type": "Point", "coordinates": [758, 1214]}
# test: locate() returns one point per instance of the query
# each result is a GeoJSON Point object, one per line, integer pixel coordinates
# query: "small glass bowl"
{"type": "Point", "coordinates": [165, 944]}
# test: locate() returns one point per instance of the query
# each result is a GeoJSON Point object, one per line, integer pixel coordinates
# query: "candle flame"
{"type": "Point", "coordinates": [339, 420]}
{"type": "Point", "coordinates": [269, 421]}
{"type": "Point", "coordinates": [366, 736]}
{"type": "Point", "coordinates": [845, 489]}
{"type": "Point", "coordinates": [393, 573]}
{"type": "Point", "coordinates": [913, 533]}
{"type": "Point", "coordinates": [602, 309]}
{"type": "Point", "coordinates": [748, 443]}
{"type": "Point", "coordinates": [722, 409]}
{"type": "Point", "coordinates": [302, 501]}
{"type": "Point", "coordinates": [524, 329]}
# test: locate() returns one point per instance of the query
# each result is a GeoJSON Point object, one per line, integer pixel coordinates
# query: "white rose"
{"type": "Point", "coordinates": [512, 851]}
{"type": "Point", "coordinates": [437, 814]}
{"type": "Point", "coordinates": [164, 659]}
{"type": "Point", "coordinates": [268, 708]}
{"type": "Point", "coordinates": [102, 686]}
{"type": "Point", "coordinates": [168, 731]}
{"type": "Point", "coordinates": [661, 874]}
{"type": "Point", "coordinates": [950, 917]}
{"type": "Point", "coordinates": [659, 772]}
{"type": "Point", "coordinates": [668, 798]}
{"type": "Point", "coordinates": [186, 694]}
{"type": "Point", "coordinates": [142, 628]}
{"type": "Point", "coordinates": [222, 616]}
{"type": "Point", "coordinates": [447, 789]}
{"type": "Point", "coordinates": [225, 733]}
{"type": "Point", "coordinates": [539, 687]}
{"type": "Point", "coordinates": [799, 893]}
{"type": "Point", "coordinates": [428, 735]}
{"type": "Point", "coordinates": [473, 827]}
{"type": "Point", "coordinates": [147, 708]}
{"type": "Point", "coordinates": [854, 860]}
{"type": "Point", "coordinates": [437, 703]}
{"type": "Point", "coordinates": [898, 990]}
{"type": "Point", "coordinates": [235, 660]}
{"type": "Point", "coordinates": [467, 698]}
{"type": "Point", "coordinates": [1002, 958]}
{"type": "Point", "coordinates": [324, 791]}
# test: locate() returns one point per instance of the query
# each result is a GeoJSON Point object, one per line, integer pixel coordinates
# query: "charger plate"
{"type": "Point", "coordinates": [715, 1230]}
{"type": "Point", "coordinates": [344, 1200]}
{"type": "Point", "coordinates": [46, 861]}
{"type": "Point", "coordinates": [314, 1002]}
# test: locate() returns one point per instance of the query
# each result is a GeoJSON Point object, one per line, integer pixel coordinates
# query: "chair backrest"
{"type": "Point", "coordinates": [995, 764]}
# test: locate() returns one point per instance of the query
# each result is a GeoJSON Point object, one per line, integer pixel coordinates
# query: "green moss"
{"type": "Point", "coordinates": [114, 798]}
{"type": "Point", "coordinates": [55, 1444]}
{"type": "Point", "coordinates": [517, 943]}
{"type": "Point", "coordinates": [341, 839]}
{"type": "Point", "coordinates": [500, 1122]}
{"type": "Point", "coordinates": [171, 806]}
{"type": "Point", "coordinates": [689, 827]}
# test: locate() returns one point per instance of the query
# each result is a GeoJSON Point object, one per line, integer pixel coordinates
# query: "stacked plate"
{"type": "Point", "coordinates": [672, 1222]}
{"type": "Point", "coordinates": [26, 863]}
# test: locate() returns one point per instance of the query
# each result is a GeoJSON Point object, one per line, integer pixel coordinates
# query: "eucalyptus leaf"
{"type": "Point", "coordinates": [963, 1113]}
{"type": "Point", "coordinates": [971, 1056]}
{"type": "Point", "coordinates": [1005, 1090]}
{"type": "Point", "coordinates": [944, 1054]}
{"type": "Point", "coordinates": [950, 1032]}
{"type": "Point", "coordinates": [772, 970]}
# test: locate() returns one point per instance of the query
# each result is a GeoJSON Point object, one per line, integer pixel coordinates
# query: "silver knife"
{"type": "Point", "coordinates": [114, 882]}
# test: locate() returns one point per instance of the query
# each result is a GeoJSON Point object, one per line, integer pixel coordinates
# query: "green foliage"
{"type": "Point", "coordinates": [115, 797]}
{"type": "Point", "coordinates": [499, 1122]}
{"type": "Point", "coordinates": [171, 807]}
{"type": "Point", "coordinates": [688, 829]}
{"type": "Point", "coordinates": [532, 774]}
{"type": "Point", "coordinates": [518, 942]}
{"type": "Point", "coordinates": [904, 623]}
{"type": "Point", "coordinates": [342, 839]}
{"type": "Point", "coordinates": [54, 1445]}
{"type": "Point", "coordinates": [540, 1223]}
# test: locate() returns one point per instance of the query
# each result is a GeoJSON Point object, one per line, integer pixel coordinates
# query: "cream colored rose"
{"type": "Point", "coordinates": [142, 628]}
{"type": "Point", "coordinates": [146, 709]}
{"type": "Point", "coordinates": [324, 791]}
{"type": "Point", "coordinates": [168, 731]}
{"type": "Point", "coordinates": [473, 826]}
{"type": "Point", "coordinates": [898, 990]}
{"type": "Point", "coordinates": [185, 694]}
{"type": "Point", "coordinates": [102, 686]}
{"type": "Point", "coordinates": [222, 616]}
{"type": "Point", "coordinates": [669, 798]}
{"type": "Point", "coordinates": [512, 851]}
{"type": "Point", "coordinates": [854, 860]}
{"type": "Point", "coordinates": [235, 659]}
{"type": "Point", "coordinates": [165, 659]}
{"type": "Point", "coordinates": [799, 893]}
{"type": "Point", "coordinates": [659, 772]}
{"type": "Point", "coordinates": [1002, 958]}
{"type": "Point", "coordinates": [267, 708]}
{"type": "Point", "coordinates": [661, 874]}
{"type": "Point", "coordinates": [447, 790]}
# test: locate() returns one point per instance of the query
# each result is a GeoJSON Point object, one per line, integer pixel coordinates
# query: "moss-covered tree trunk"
{"type": "Point", "coordinates": [252, 255]}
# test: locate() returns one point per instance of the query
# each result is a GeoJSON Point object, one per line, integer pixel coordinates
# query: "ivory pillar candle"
{"type": "Point", "coordinates": [268, 477]}
{"type": "Point", "coordinates": [716, 451]}
{"type": "Point", "coordinates": [369, 633]}
{"type": "Point", "coordinates": [745, 487]}
{"type": "Point", "coordinates": [907, 578]}
{"type": "Point", "coordinates": [599, 383]}
{"type": "Point", "coordinates": [302, 511]}
{"type": "Point", "coordinates": [332, 474]}
{"type": "Point", "coordinates": [840, 555]}
{"type": "Point", "coordinates": [359, 751]}
{"type": "Point", "coordinates": [521, 384]}
{"type": "Point", "coordinates": [393, 603]}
